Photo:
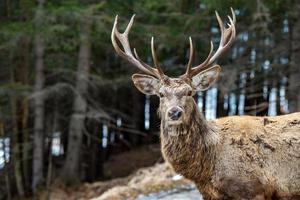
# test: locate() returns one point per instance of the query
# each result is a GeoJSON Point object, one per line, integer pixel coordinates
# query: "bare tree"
{"type": "Point", "coordinates": [39, 101]}
{"type": "Point", "coordinates": [76, 128]}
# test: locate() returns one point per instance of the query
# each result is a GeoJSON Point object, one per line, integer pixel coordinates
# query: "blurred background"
{"type": "Point", "coordinates": [69, 113]}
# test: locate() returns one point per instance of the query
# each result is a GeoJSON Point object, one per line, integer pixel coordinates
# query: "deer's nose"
{"type": "Point", "coordinates": [174, 113]}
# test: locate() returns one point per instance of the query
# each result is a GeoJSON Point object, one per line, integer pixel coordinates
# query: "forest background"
{"type": "Point", "coordinates": [67, 103]}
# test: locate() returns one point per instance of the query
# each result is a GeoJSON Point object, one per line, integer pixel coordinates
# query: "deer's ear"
{"type": "Point", "coordinates": [206, 78]}
{"type": "Point", "coordinates": [145, 83]}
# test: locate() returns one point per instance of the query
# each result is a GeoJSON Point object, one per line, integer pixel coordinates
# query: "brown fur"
{"type": "Point", "coordinates": [261, 152]}
{"type": "Point", "coordinates": [255, 157]}
{"type": "Point", "coordinates": [236, 188]}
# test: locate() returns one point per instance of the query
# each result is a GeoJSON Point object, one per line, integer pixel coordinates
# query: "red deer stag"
{"type": "Point", "coordinates": [230, 158]}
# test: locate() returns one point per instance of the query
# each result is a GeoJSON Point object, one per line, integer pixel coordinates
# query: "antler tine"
{"type": "Point", "coordinates": [121, 37]}
{"type": "Point", "coordinates": [127, 53]}
{"type": "Point", "coordinates": [233, 15]}
{"type": "Point", "coordinates": [227, 38]}
{"type": "Point", "coordinates": [202, 66]}
{"type": "Point", "coordinates": [128, 28]}
{"type": "Point", "coordinates": [155, 60]}
{"type": "Point", "coordinates": [138, 58]}
{"type": "Point", "coordinates": [221, 26]}
{"type": "Point", "coordinates": [191, 57]}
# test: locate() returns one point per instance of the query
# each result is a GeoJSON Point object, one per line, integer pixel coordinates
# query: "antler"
{"type": "Point", "coordinates": [227, 38]}
{"type": "Point", "coordinates": [127, 53]}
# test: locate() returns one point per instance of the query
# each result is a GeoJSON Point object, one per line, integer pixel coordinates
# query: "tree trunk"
{"type": "Point", "coordinates": [93, 153]}
{"type": "Point", "coordinates": [15, 142]}
{"type": "Point", "coordinates": [294, 85]}
{"type": "Point", "coordinates": [39, 101]}
{"type": "Point", "coordinates": [221, 112]}
{"type": "Point", "coordinates": [23, 69]}
{"type": "Point", "coordinates": [76, 128]}
{"type": "Point", "coordinates": [6, 169]}
{"type": "Point", "coordinates": [53, 130]}
{"type": "Point", "coordinates": [137, 115]}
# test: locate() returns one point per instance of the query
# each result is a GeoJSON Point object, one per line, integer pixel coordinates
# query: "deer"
{"type": "Point", "coordinates": [235, 157]}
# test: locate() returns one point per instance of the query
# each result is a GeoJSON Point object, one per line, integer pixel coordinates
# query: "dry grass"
{"type": "Point", "coordinates": [145, 181]}
{"type": "Point", "coordinates": [140, 181]}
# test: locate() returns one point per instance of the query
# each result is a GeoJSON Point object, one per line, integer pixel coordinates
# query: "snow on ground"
{"type": "Point", "coordinates": [188, 192]}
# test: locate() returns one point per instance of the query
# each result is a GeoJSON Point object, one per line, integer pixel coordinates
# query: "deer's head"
{"type": "Point", "coordinates": [176, 94]}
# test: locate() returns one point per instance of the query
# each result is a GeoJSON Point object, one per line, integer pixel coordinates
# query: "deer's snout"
{"type": "Point", "coordinates": [175, 113]}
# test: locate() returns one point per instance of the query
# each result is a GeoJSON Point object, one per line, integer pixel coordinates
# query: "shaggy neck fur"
{"type": "Point", "coordinates": [190, 147]}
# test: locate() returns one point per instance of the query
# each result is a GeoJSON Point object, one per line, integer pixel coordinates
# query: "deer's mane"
{"type": "Point", "coordinates": [190, 147]}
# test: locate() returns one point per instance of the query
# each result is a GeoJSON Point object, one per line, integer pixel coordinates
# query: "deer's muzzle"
{"type": "Point", "coordinates": [175, 113]}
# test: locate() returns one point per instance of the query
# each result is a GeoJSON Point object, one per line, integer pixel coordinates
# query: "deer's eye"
{"type": "Point", "coordinates": [161, 94]}
{"type": "Point", "coordinates": [189, 93]}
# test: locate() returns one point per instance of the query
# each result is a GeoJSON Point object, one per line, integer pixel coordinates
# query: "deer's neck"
{"type": "Point", "coordinates": [191, 147]}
